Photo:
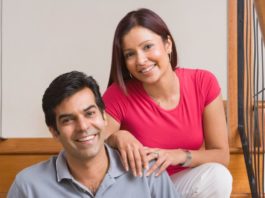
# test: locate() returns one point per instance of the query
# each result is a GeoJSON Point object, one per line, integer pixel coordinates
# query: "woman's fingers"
{"type": "Point", "coordinates": [154, 167]}
{"type": "Point", "coordinates": [162, 168]}
{"type": "Point", "coordinates": [134, 157]}
{"type": "Point", "coordinates": [144, 157]}
{"type": "Point", "coordinates": [132, 152]}
{"type": "Point", "coordinates": [131, 161]}
{"type": "Point", "coordinates": [163, 160]}
{"type": "Point", "coordinates": [152, 153]}
{"type": "Point", "coordinates": [124, 159]}
{"type": "Point", "coordinates": [138, 163]}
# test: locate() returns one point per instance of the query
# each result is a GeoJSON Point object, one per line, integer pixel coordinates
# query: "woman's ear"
{"type": "Point", "coordinates": [168, 45]}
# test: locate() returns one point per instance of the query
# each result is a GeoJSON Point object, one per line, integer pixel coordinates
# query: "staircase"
{"type": "Point", "coordinates": [238, 170]}
{"type": "Point", "coordinates": [237, 165]}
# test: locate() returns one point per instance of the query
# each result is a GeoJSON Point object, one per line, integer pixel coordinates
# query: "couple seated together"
{"type": "Point", "coordinates": [159, 131]}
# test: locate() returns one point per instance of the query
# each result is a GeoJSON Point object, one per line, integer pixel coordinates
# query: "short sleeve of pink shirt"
{"type": "Point", "coordinates": [209, 86]}
{"type": "Point", "coordinates": [115, 102]}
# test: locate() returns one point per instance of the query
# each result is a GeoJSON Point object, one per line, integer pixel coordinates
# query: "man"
{"type": "Point", "coordinates": [74, 113]}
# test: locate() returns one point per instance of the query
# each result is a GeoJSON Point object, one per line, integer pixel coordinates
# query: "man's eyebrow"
{"type": "Point", "coordinates": [66, 115]}
{"type": "Point", "coordinates": [69, 115]}
{"type": "Point", "coordinates": [90, 107]}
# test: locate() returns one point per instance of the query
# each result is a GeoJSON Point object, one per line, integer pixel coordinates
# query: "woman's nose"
{"type": "Point", "coordinates": [141, 58]}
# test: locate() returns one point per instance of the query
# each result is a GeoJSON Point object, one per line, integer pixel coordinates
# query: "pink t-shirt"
{"type": "Point", "coordinates": [153, 126]}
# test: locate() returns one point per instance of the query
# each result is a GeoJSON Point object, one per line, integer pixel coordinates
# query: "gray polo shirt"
{"type": "Point", "coordinates": [52, 179]}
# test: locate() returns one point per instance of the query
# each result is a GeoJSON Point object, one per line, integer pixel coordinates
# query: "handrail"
{"type": "Point", "coordinates": [260, 9]}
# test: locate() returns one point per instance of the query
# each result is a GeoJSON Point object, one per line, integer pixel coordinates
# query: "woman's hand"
{"type": "Point", "coordinates": [132, 152]}
{"type": "Point", "coordinates": [164, 158]}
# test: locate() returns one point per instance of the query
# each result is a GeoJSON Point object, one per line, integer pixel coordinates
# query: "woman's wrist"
{"type": "Point", "coordinates": [188, 159]}
{"type": "Point", "coordinates": [111, 140]}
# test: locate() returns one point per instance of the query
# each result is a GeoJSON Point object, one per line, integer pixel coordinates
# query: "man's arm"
{"type": "Point", "coordinates": [14, 191]}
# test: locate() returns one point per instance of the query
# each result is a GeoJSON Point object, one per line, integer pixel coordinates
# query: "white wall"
{"type": "Point", "coordinates": [44, 38]}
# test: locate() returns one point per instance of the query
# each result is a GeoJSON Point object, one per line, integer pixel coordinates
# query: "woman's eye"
{"type": "Point", "coordinates": [148, 46]}
{"type": "Point", "coordinates": [128, 55]}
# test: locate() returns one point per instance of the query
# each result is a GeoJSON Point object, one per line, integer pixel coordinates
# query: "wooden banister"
{"type": "Point", "coordinates": [260, 9]}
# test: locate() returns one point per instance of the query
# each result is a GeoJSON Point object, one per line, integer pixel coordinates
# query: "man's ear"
{"type": "Point", "coordinates": [105, 118]}
{"type": "Point", "coordinates": [54, 132]}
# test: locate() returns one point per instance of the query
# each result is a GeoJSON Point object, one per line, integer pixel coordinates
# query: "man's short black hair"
{"type": "Point", "coordinates": [64, 86]}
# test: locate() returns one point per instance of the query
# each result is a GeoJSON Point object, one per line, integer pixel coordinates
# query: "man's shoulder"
{"type": "Point", "coordinates": [41, 169]}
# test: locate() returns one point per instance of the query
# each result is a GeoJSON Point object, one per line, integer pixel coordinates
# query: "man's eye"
{"type": "Point", "coordinates": [90, 114]}
{"type": "Point", "coordinates": [66, 120]}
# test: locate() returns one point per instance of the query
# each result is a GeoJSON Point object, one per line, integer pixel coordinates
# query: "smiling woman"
{"type": "Point", "coordinates": [186, 133]}
{"type": "Point", "coordinates": [42, 38]}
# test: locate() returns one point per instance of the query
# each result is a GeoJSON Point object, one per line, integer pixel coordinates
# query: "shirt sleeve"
{"type": "Point", "coordinates": [15, 192]}
{"type": "Point", "coordinates": [209, 86]}
{"type": "Point", "coordinates": [115, 102]}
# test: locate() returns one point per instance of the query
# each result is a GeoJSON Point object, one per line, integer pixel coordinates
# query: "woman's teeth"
{"type": "Point", "coordinates": [148, 69]}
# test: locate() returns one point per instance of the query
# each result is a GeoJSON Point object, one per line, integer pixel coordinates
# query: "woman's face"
{"type": "Point", "coordinates": [146, 54]}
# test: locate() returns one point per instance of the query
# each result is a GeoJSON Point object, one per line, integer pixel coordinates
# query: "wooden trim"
{"type": "Point", "coordinates": [3, 195]}
{"type": "Point", "coordinates": [19, 153]}
{"type": "Point", "coordinates": [29, 146]}
{"type": "Point", "coordinates": [232, 103]}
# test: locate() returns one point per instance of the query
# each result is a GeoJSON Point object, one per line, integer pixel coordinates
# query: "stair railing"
{"type": "Point", "coordinates": [251, 90]}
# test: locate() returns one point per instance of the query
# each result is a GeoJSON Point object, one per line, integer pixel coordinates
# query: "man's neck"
{"type": "Point", "coordinates": [90, 172]}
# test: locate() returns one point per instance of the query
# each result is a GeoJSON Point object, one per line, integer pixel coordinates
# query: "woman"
{"type": "Point", "coordinates": [157, 110]}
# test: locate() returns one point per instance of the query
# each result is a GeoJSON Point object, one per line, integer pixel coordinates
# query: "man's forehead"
{"type": "Point", "coordinates": [82, 100]}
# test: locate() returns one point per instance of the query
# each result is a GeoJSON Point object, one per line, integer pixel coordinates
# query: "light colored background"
{"type": "Point", "coordinates": [44, 38]}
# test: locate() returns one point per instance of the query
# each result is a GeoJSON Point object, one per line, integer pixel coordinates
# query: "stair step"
{"type": "Point", "coordinates": [240, 195]}
{"type": "Point", "coordinates": [238, 170]}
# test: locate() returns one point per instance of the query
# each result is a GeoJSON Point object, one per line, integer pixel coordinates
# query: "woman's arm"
{"type": "Point", "coordinates": [132, 152]}
{"type": "Point", "coordinates": [215, 139]}
{"type": "Point", "coordinates": [215, 135]}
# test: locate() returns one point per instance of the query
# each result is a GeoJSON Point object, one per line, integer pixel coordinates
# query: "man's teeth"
{"type": "Point", "coordinates": [86, 138]}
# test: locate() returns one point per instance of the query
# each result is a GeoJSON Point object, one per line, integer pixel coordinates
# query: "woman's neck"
{"type": "Point", "coordinates": [167, 86]}
{"type": "Point", "coordinates": [165, 92]}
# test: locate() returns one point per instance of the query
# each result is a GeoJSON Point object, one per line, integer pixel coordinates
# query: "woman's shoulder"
{"type": "Point", "coordinates": [192, 71]}
{"type": "Point", "coordinates": [130, 85]}
{"type": "Point", "coordinates": [114, 92]}
{"type": "Point", "coordinates": [195, 73]}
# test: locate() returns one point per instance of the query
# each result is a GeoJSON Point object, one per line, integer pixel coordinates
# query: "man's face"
{"type": "Point", "coordinates": [80, 124]}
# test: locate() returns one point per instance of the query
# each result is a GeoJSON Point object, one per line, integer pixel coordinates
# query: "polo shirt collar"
{"type": "Point", "coordinates": [115, 168]}
{"type": "Point", "coordinates": [62, 168]}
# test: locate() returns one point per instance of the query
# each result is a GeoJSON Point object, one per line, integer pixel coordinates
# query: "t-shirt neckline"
{"type": "Point", "coordinates": [146, 96]}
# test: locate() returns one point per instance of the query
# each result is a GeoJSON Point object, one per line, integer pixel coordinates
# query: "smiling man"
{"type": "Point", "coordinates": [86, 167]}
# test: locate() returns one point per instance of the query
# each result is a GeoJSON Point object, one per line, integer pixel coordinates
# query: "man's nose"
{"type": "Point", "coordinates": [83, 124]}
